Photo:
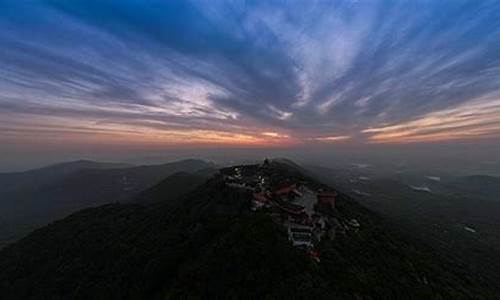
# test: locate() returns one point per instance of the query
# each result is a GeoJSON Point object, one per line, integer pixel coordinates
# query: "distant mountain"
{"type": "Point", "coordinates": [173, 187]}
{"type": "Point", "coordinates": [29, 199]}
{"type": "Point", "coordinates": [485, 187]}
{"type": "Point", "coordinates": [12, 182]}
{"type": "Point", "coordinates": [209, 245]}
{"type": "Point", "coordinates": [441, 215]}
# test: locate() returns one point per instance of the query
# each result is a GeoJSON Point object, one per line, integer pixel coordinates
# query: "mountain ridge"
{"type": "Point", "coordinates": [129, 251]}
{"type": "Point", "coordinates": [33, 198]}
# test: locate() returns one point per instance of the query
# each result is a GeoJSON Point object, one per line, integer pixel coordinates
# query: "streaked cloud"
{"type": "Point", "coordinates": [259, 73]}
{"type": "Point", "coordinates": [479, 118]}
{"type": "Point", "coordinates": [275, 135]}
{"type": "Point", "coordinates": [333, 138]}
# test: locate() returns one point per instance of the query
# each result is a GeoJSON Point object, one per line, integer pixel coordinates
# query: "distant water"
{"type": "Point", "coordinates": [361, 165]}
{"type": "Point", "coordinates": [470, 229]}
{"type": "Point", "coordinates": [421, 188]}
{"type": "Point", "coordinates": [361, 193]}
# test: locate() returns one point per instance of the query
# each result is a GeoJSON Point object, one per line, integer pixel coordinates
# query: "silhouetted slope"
{"type": "Point", "coordinates": [118, 250]}
{"type": "Point", "coordinates": [33, 179]}
{"type": "Point", "coordinates": [119, 184]}
{"type": "Point", "coordinates": [171, 188]}
{"type": "Point", "coordinates": [250, 258]}
{"type": "Point", "coordinates": [209, 245]}
{"type": "Point", "coordinates": [36, 197]}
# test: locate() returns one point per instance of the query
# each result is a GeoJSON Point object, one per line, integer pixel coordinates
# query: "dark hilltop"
{"type": "Point", "coordinates": [252, 231]}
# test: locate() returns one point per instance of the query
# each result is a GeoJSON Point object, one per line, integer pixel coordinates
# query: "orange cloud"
{"type": "Point", "coordinates": [275, 135]}
{"type": "Point", "coordinates": [333, 138]}
{"type": "Point", "coordinates": [479, 118]}
{"type": "Point", "coordinates": [58, 130]}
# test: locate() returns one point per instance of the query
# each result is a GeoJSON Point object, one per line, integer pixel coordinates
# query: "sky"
{"type": "Point", "coordinates": [97, 76]}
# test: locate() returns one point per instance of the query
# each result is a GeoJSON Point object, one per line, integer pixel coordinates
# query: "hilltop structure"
{"type": "Point", "coordinates": [172, 249]}
{"type": "Point", "coordinates": [307, 212]}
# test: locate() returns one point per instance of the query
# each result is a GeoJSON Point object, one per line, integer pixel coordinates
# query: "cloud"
{"type": "Point", "coordinates": [479, 118]}
{"type": "Point", "coordinates": [372, 71]}
{"type": "Point", "coordinates": [275, 135]}
{"type": "Point", "coordinates": [333, 138]}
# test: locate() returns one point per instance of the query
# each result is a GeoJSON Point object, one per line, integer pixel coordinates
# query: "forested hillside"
{"type": "Point", "coordinates": [209, 245]}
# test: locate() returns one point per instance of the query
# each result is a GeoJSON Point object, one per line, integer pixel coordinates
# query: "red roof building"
{"type": "Point", "coordinates": [260, 197]}
{"type": "Point", "coordinates": [302, 218]}
{"type": "Point", "coordinates": [290, 208]}
{"type": "Point", "coordinates": [327, 198]}
{"type": "Point", "coordinates": [287, 189]}
{"type": "Point", "coordinates": [315, 256]}
{"type": "Point", "coordinates": [284, 190]}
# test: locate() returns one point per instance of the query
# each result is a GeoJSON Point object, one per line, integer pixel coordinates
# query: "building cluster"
{"type": "Point", "coordinates": [308, 214]}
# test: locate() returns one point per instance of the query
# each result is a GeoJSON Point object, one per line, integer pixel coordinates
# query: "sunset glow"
{"type": "Point", "coordinates": [476, 119]}
{"type": "Point", "coordinates": [263, 75]}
